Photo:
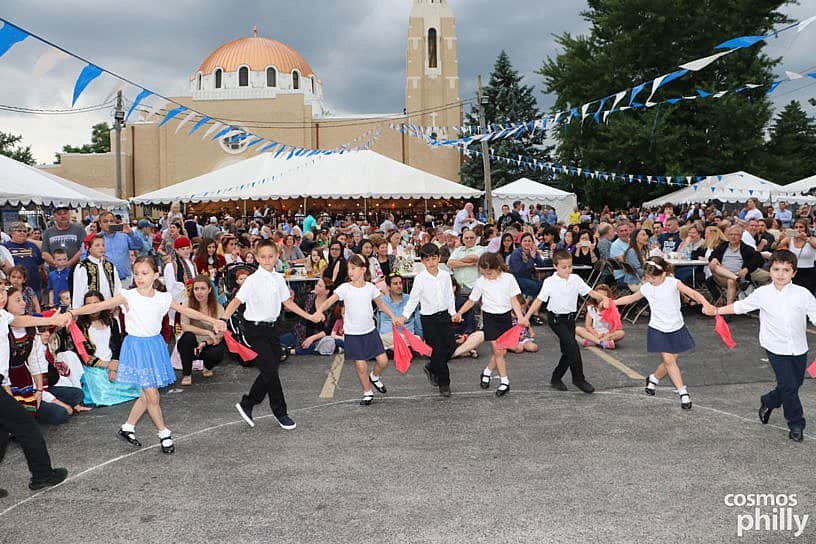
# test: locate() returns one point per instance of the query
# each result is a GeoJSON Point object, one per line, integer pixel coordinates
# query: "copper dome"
{"type": "Point", "coordinates": [257, 53]}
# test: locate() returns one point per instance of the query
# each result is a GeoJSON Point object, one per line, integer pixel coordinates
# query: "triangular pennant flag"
{"type": "Point", "coordinates": [793, 75]}
{"type": "Point", "coordinates": [48, 61]}
{"type": "Point", "coordinates": [201, 122]}
{"type": "Point", "coordinates": [773, 87]}
{"type": "Point", "coordinates": [141, 96]}
{"type": "Point", "coordinates": [187, 118]}
{"type": "Point", "coordinates": [739, 43]}
{"type": "Point", "coordinates": [216, 126]}
{"type": "Point", "coordinates": [88, 74]}
{"type": "Point", "coordinates": [10, 35]}
{"type": "Point", "coordinates": [804, 24]}
{"type": "Point", "coordinates": [172, 113]}
{"type": "Point", "coordinates": [699, 64]}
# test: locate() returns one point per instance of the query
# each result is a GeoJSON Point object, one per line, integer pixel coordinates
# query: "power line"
{"type": "Point", "coordinates": [42, 111]}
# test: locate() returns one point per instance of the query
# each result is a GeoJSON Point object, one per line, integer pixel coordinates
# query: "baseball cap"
{"type": "Point", "coordinates": [144, 223]}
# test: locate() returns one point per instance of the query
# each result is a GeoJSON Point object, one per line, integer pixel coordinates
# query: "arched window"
{"type": "Point", "coordinates": [243, 76]}
{"type": "Point", "coordinates": [295, 80]}
{"type": "Point", "coordinates": [198, 81]}
{"type": "Point", "coordinates": [271, 77]}
{"type": "Point", "coordinates": [218, 78]}
{"type": "Point", "coordinates": [313, 84]}
{"type": "Point", "coordinates": [432, 49]}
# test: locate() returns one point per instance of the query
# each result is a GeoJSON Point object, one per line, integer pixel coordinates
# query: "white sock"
{"type": "Point", "coordinates": [487, 372]}
{"type": "Point", "coordinates": [368, 393]}
{"type": "Point", "coordinates": [682, 391]}
{"type": "Point", "coordinates": [128, 428]}
{"type": "Point", "coordinates": [165, 433]}
{"type": "Point", "coordinates": [653, 379]}
{"type": "Point", "coordinates": [505, 380]}
{"type": "Point", "coordinates": [373, 377]}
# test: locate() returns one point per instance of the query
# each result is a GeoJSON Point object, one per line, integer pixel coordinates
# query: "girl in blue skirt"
{"type": "Point", "coordinates": [143, 358]}
{"type": "Point", "coordinates": [667, 334]}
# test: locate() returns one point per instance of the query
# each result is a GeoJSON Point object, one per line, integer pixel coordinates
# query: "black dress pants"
{"type": "Point", "coordinates": [438, 333]}
{"type": "Point", "coordinates": [564, 328]}
{"type": "Point", "coordinates": [265, 341]}
{"type": "Point", "coordinates": [211, 355]}
{"type": "Point", "coordinates": [16, 420]}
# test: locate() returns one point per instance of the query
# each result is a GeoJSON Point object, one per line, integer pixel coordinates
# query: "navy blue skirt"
{"type": "Point", "coordinates": [362, 347]}
{"type": "Point", "coordinates": [496, 324]}
{"type": "Point", "coordinates": [678, 341]}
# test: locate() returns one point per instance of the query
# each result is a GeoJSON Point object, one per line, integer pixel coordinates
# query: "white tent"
{"type": "Point", "coordinates": [801, 186]}
{"type": "Point", "coordinates": [355, 174]}
{"type": "Point", "coordinates": [533, 192]}
{"type": "Point", "coordinates": [734, 187]}
{"type": "Point", "coordinates": [23, 184]}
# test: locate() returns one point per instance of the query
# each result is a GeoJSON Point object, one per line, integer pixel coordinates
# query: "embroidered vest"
{"type": "Point", "coordinates": [93, 274]}
{"type": "Point", "coordinates": [183, 272]}
{"type": "Point", "coordinates": [22, 384]}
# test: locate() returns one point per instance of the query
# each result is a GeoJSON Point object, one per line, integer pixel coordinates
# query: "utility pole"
{"type": "Point", "coordinates": [118, 118]}
{"type": "Point", "coordinates": [485, 154]}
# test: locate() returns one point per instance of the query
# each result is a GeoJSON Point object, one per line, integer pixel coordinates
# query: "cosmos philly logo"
{"type": "Point", "coordinates": [766, 513]}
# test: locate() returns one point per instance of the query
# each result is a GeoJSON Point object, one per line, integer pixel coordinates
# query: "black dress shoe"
{"type": "Point", "coordinates": [584, 386]}
{"type": "Point", "coordinates": [503, 389]}
{"type": "Point", "coordinates": [167, 445]}
{"type": "Point", "coordinates": [797, 435]}
{"type": "Point", "coordinates": [3, 493]}
{"type": "Point", "coordinates": [484, 383]}
{"type": "Point", "coordinates": [57, 476]}
{"type": "Point", "coordinates": [378, 385]}
{"type": "Point", "coordinates": [129, 437]}
{"type": "Point", "coordinates": [764, 413]}
{"type": "Point", "coordinates": [429, 373]}
{"type": "Point", "coordinates": [558, 385]}
{"type": "Point", "coordinates": [366, 400]}
{"type": "Point", "coordinates": [445, 391]}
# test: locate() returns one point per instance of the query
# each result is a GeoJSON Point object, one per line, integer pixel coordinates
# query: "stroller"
{"type": "Point", "coordinates": [237, 324]}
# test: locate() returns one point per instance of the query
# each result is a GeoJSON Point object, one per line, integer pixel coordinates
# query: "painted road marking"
{"type": "Point", "coordinates": [616, 363]}
{"type": "Point", "coordinates": [333, 378]}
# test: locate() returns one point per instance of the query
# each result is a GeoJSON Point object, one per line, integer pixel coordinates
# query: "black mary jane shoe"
{"type": "Point", "coordinates": [764, 413]}
{"type": "Point", "coordinates": [378, 385]}
{"type": "Point", "coordinates": [485, 382]}
{"type": "Point", "coordinates": [503, 389]}
{"type": "Point", "coordinates": [650, 390]}
{"type": "Point", "coordinates": [367, 399]}
{"type": "Point", "coordinates": [797, 435]}
{"type": "Point", "coordinates": [129, 437]}
{"type": "Point", "coordinates": [685, 401]}
{"type": "Point", "coordinates": [167, 445]}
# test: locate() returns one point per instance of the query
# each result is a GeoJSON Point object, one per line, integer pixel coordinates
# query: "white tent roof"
{"type": "Point", "coordinates": [734, 187]}
{"type": "Point", "coordinates": [540, 193]}
{"type": "Point", "coordinates": [23, 184]}
{"type": "Point", "coordinates": [801, 186]}
{"type": "Point", "coordinates": [355, 174]}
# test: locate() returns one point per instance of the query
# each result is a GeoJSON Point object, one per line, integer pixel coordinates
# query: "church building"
{"type": "Point", "coordinates": [266, 87]}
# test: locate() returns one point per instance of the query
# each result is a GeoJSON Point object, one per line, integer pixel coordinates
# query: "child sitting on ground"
{"type": "Point", "coordinates": [596, 331]}
{"type": "Point", "coordinates": [527, 337]}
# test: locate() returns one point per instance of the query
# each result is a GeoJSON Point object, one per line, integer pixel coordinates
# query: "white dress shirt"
{"type": "Point", "coordinates": [175, 287]}
{"type": "Point", "coordinates": [263, 292]}
{"type": "Point", "coordinates": [496, 294]}
{"type": "Point", "coordinates": [563, 293]}
{"type": "Point", "coordinates": [81, 282]}
{"type": "Point", "coordinates": [783, 316]}
{"type": "Point", "coordinates": [433, 294]}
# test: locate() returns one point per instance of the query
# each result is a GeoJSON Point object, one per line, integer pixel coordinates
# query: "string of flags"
{"type": "Point", "coordinates": [151, 104]}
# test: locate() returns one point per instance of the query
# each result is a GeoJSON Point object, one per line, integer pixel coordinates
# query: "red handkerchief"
{"type": "Point", "coordinates": [238, 348]}
{"type": "Point", "coordinates": [612, 316]}
{"type": "Point", "coordinates": [402, 355]}
{"type": "Point", "coordinates": [510, 338]}
{"type": "Point", "coordinates": [417, 344]}
{"type": "Point", "coordinates": [79, 341]}
{"type": "Point", "coordinates": [721, 328]}
{"type": "Point", "coordinates": [812, 369]}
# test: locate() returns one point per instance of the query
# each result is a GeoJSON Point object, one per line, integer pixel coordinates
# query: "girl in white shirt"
{"type": "Point", "coordinates": [498, 291]}
{"type": "Point", "coordinates": [667, 334]}
{"type": "Point", "coordinates": [143, 358]}
{"type": "Point", "coordinates": [362, 341]}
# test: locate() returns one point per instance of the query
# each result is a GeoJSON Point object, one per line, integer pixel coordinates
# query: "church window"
{"type": "Point", "coordinates": [313, 85]}
{"type": "Point", "coordinates": [295, 80]}
{"type": "Point", "coordinates": [218, 78]}
{"type": "Point", "coordinates": [271, 77]}
{"type": "Point", "coordinates": [198, 81]}
{"type": "Point", "coordinates": [432, 49]}
{"type": "Point", "coordinates": [243, 76]}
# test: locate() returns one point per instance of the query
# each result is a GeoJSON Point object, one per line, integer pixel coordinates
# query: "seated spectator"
{"type": "Point", "coordinates": [309, 337]}
{"type": "Point", "coordinates": [466, 334]}
{"type": "Point", "coordinates": [585, 252]}
{"type": "Point", "coordinates": [596, 331]}
{"type": "Point", "coordinates": [396, 301]}
{"type": "Point", "coordinates": [290, 252]}
{"type": "Point", "coordinates": [523, 262]}
{"type": "Point", "coordinates": [635, 257]}
{"type": "Point", "coordinates": [230, 249]}
{"type": "Point", "coordinates": [507, 246]}
{"type": "Point", "coordinates": [526, 341]}
{"type": "Point", "coordinates": [568, 242]}
{"type": "Point", "coordinates": [18, 278]}
{"type": "Point", "coordinates": [734, 262]}
{"type": "Point", "coordinates": [207, 259]}
{"type": "Point", "coordinates": [315, 264]}
{"type": "Point", "coordinates": [548, 242]}
{"type": "Point", "coordinates": [337, 269]}
{"type": "Point", "coordinates": [198, 341]}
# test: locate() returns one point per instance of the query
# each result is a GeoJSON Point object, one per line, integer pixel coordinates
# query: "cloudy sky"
{"type": "Point", "coordinates": [357, 48]}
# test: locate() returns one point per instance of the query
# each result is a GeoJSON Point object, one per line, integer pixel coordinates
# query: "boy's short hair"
{"type": "Point", "coordinates": [561, 255]}
{"type": "Point", "coordinates": [60, 251]}
{"type": "Point", "coordinates": [63, 291]}
{"type": "Point", "coordinates": [267, 243]}
{"type": "Point", "coordinates": [428, 250]}
{"type": "Point", "coordinates": [783, 256]}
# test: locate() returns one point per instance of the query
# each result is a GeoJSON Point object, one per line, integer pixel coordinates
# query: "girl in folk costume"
{"type": "Point", "coordinates": [207, 260]}
{"type": "Point", "coordinates": [143, 358]}
{"type": "Point", "coordinates": [95, 273]}
{"type": "Point", "coordinates": [179, 273]}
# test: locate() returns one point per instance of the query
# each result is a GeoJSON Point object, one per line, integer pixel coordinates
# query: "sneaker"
{"type": "Point", "coordinates": [246, 413]}
{"type": "Point", "coordinates": [57, 476]}
{"type": "Point", "coordinates": [286, 422]}
{"type": "Point", "coordinates": [610, 344]}
{"type": "Point", "coordinates": [585, 343]}
{"type": "Point", "coordinates": [445, 391]}
{"type": "Point", "coordinates": [3, 493]}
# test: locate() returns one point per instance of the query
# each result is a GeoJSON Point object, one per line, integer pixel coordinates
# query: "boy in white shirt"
{"type": "Point", "coordinates": [561, 291]}
{"type": "Point", "coordinates": [784, 309]}
{"type": "Point", "coordinates": [433, 292]}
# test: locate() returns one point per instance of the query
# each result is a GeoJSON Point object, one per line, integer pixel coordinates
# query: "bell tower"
{"type": "Point", "coordinates": [432, 70]}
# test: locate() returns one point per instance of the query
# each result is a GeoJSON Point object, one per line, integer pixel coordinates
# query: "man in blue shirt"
{"type": "Point", "coordinates": [118, 245]}
{"type": "Point", "coordinates": [396, 302]}
{"type": "Point", "coordinates": [784, 215]}
{"type": "Point", "coordinates": [26, 254]}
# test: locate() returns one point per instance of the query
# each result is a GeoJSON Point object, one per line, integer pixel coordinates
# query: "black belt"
{"type": "Point", "coordinates": [437, 314]}
{"type": "Point", "coordinates": [571, 315]}
{"type": "Point", "coordinates": [270, 324]}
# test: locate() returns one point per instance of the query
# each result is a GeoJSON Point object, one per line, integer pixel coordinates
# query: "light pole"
{"type": "Point", "coordinates": [118, 122]}
{"type": "Point", "coordinates": [483, 101]}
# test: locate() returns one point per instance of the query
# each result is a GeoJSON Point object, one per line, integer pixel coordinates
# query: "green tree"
{"type": "Point", "coordinates": [508, 100]}
{"type": "Point", "coordinates": [790, 153]}
{"type": "Point", "coordinates": [100, 141]}
{"type": "Point", "coordinates": [634, 41]}
{"type": "Point", "coordinates": [10, 148]}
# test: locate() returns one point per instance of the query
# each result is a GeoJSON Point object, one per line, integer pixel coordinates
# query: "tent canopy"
{"type": "Point", "coordinates": [21, 184]}
{"type": "Point", "coordinates": [528, 190]}
{"type": "Point", "coordinates": [801, 186]}
{"type": "Point", "coordinates": [734, 187]}
{"type": "Point", "coordinates": [354, 174]}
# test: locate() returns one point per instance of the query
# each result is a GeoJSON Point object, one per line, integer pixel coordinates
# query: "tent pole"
{"type": "Point", "coordinates": [365, 208]}
{"type": "Point", "coordinates": [244, 208]}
